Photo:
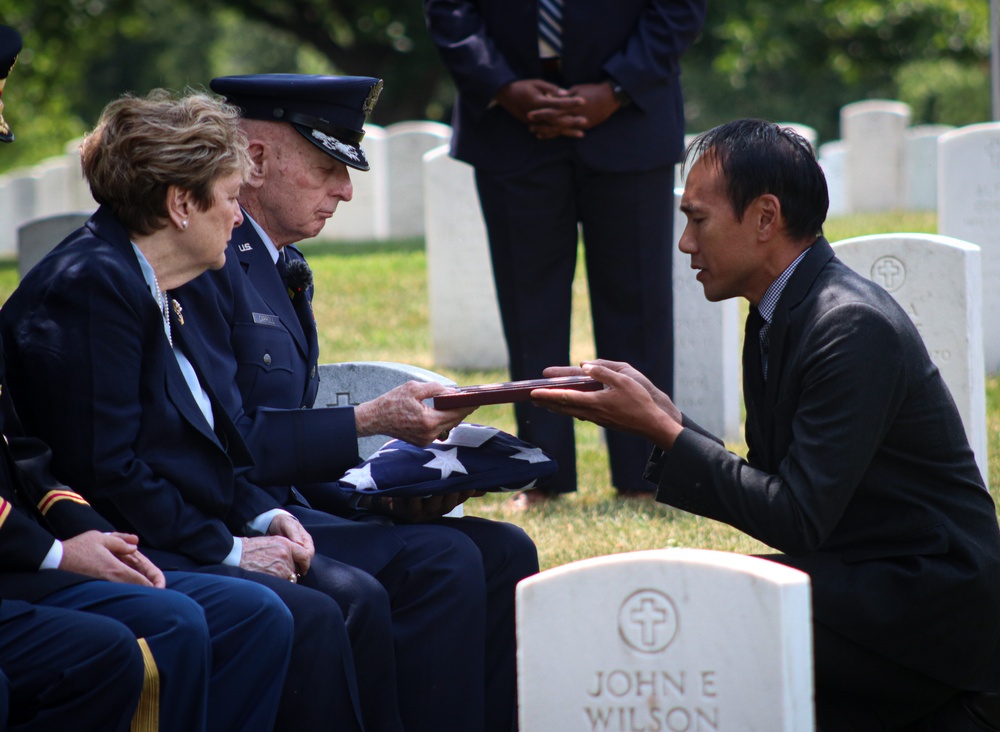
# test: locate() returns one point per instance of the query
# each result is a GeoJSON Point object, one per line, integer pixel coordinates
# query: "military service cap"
{"type": "Point", "coordinates": [329, 111]}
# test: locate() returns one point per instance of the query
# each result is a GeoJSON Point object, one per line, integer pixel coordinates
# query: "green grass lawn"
{"type": "Point", "coordinates": [371, 304]}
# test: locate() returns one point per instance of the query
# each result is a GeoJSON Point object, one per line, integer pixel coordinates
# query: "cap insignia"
{"type": "Point", "coordinates": [369, 104]}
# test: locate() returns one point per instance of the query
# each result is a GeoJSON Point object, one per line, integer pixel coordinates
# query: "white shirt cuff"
{"type": "Point", "coordinates": [54, 557]}
{"type": "Point", "coordinates": [260, 524]}
{"type": "Point", "coordinates": [233, 560]}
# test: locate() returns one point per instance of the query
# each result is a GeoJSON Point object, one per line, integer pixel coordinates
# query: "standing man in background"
{"type": "Point", "coordinates": [571, 113]}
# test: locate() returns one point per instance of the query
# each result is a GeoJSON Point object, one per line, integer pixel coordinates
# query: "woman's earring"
{"type": "Point", "coordinates": [184, 225]}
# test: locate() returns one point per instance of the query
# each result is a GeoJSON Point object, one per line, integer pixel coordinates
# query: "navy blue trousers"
{"type": "Point", "coordinates": [321, 684]}
{"type": "Point", "coordinates": [64, 669]}
{"type": "Point", "coordinates": [221, 646]}
{"type": "Point", "coordinates": [447, 600]}
{"type": "Point", "coordinates": [534, 218]}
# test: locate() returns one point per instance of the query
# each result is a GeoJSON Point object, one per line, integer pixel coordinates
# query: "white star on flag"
{"type": "Point", "coordinates": [531, 454]}
{"type": "Point", "coordinates": [446, 461]}
{"type": "Point", "coordinates": [361, 478]}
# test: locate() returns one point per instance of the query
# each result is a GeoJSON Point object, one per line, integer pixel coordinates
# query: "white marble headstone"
{"type": "Point", "coordinates": [464, 315]}
{"type": "Point", "coordinates": [54, 180]}
{"type": "Point", "coordinates": [366, 216]}
{"type": "Point", "coordinates": [937, 281]}
{"type": "Point", "coordinates": [969, 209]}
{"type": "Point", "coordinates": [673, 640]}
{"type": "Point", "coordinates": [352, 382]}
{"type": "Point", "coordinates": [805, 131]}
{"type": "Point", "coordinates": [873, 130]}
{"type": "Point", "coordinates": [920, 166]}
{"type": "Point", "coordinates": [406, 144]}
{"type": "Point", "coordinates": [833, 161]}
{"type": "Point", "coordinates": [706, 347]}
{"type": "Point", "coordinates": [38, 237]}
{"type": "Point", "coordinates": [80, 196]}
{"type": "Point", "coordinates": [17, 206]}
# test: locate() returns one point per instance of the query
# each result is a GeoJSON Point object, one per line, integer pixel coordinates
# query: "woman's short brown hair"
{"type": "Point", "coordinates": [143, 145]}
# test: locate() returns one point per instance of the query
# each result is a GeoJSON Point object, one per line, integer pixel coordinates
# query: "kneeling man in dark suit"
{"type": "Point", "coordinates": [858, 468]}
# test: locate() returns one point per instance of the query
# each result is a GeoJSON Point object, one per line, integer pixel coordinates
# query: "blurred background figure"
{"type": "Point", "coordinates": [573, 118]}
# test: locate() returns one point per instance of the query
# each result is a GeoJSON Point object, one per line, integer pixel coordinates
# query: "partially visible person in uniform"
{"type": "Point", "coordinates": [100, 619]}
{"type": "Point", "coordinates": [572, 115]}
{"type": "Point", "coordinates": [256, 321]}
{"type": "Point", "coordinates": [858, 467]}
{"type": "Point", "coordinates": [100, 369]}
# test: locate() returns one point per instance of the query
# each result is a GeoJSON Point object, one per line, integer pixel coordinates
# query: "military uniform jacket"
{"type": "Point", "coordinates": [253, 338]}
{"type": "Point", "coordinates": [35, 509]}
{"type": "Point", "coordinates": [639, 43]}
{"type": "Point", "coordinates": [253, 335]}
{"type": "Point", "coordinates": [94, 376]}
{"type": "Point", "coordinates": [860, 471]}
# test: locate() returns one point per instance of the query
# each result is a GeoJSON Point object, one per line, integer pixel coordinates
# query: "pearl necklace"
{"type": "Point", "coordinates": [161, 301]}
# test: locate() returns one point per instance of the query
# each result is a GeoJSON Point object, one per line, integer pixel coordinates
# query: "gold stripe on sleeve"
{"type": "Point", "coordinates": [53, 497]}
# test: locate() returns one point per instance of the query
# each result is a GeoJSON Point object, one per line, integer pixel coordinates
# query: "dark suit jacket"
{"type": "Point", "coordinates": [96, 380]}
{"type": "Point", "coordinates": [488, 43]}
{"type": "Point", "coordinates": [859, 469]}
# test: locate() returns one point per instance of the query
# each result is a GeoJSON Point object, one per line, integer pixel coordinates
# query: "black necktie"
{"type": "Point", "coordinates": [765, 346]}
{"type": "Point", "coordinates": [756, 340]}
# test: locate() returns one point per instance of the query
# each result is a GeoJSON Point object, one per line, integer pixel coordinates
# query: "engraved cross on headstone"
{"type": "Point", "coordinates": [648, 616]}
{"type": "Point", "coordinates": [343, 400]}
{"type": "Point", "coordinates": [886, 272]}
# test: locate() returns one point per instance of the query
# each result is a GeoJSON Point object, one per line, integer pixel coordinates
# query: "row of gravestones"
{"type": "Point", "coordinates": [388, 200]}
{"type": "Point", "coordinates": [881, 163]}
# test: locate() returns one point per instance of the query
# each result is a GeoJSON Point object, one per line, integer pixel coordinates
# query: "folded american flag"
{"type": "Point", "coordinates": [473, 458]}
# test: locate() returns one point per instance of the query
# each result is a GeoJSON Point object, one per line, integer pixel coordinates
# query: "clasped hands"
{"type": "Point", "coordinates": [550, 111]}
{"type": "Point", "coordinates": [111, 556]}
{"type": "Point", "coordinates": [285, 552]}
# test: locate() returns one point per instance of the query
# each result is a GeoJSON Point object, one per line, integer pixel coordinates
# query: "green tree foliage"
{"type": "Point", "coordinates": [802, 60]}
{"type": "Point", "coordinates": [385, 38]}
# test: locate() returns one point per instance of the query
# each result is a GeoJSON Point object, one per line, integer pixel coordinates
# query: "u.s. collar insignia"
{"type": "Point", "coordinates": [178, 311]}
{"type": "Point", "coordinates": [370, 102]}
{"type": "Point", "coordinates": [245, 247]}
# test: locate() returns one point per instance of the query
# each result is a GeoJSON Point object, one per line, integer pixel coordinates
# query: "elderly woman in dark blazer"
{"type": "Point", "coordinates": [100, 368]}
